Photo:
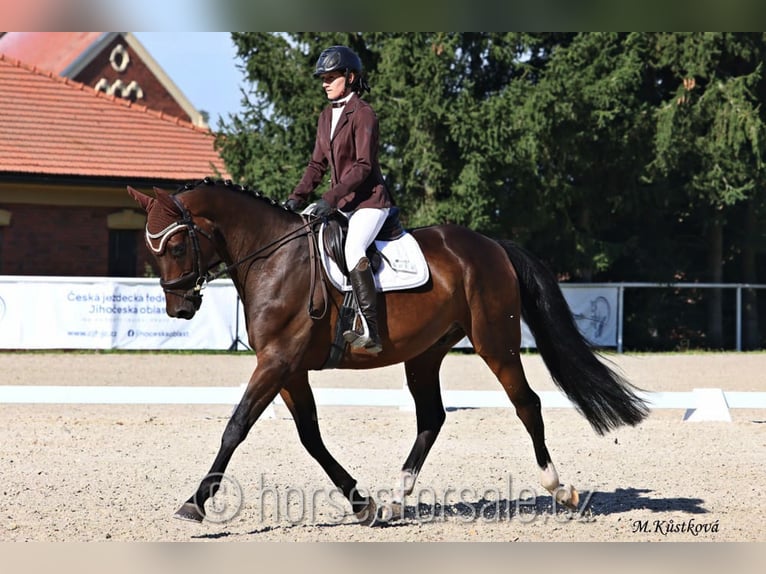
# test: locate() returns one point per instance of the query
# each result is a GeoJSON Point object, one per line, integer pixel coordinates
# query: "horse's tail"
{"type": "Point", "coordinates": [604, 397]}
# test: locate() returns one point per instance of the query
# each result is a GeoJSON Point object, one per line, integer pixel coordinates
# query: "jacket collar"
{"type": "Point", "coordinates": [349, 108]}
{"type": "Point", "coordinates": [340, 102]}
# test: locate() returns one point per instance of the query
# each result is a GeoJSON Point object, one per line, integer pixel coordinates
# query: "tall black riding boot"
{"type": "Point", "coordinates": [363, 284]}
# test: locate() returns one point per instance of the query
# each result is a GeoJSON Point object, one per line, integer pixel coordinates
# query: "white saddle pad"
{"type": "Point", "coordinates": [403, 266]}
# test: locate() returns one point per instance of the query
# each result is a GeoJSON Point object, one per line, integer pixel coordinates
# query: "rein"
{"type": "Point", "coordinates": [175, 286]}
{"type": "Point", "coordinates": [307, 226]}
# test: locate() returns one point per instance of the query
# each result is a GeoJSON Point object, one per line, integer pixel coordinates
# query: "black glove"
{"type": "Point", "coordinates": [322, 209]}
{"type": "Point", "coordinates": [292, 204]}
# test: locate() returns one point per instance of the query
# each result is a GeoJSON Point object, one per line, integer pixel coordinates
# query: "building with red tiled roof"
{"type": "Point", "coordinates": [67, 153]}
{"type": "Point", "coordinates": [115, 63]}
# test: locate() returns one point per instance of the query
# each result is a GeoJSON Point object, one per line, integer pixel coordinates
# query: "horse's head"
{"type": "Point", "coordinates": [173, 237]}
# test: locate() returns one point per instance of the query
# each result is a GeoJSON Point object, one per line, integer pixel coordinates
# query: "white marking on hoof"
{"type": "Point", "coordinates": [549, 478]}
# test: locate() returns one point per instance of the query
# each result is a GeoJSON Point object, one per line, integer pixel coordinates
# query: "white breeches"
{"type": "Point", "coordinates": [363, 225]}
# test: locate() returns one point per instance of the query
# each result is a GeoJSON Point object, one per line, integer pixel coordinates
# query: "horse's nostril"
{"type": "Point", "coordinates": [185, 313]}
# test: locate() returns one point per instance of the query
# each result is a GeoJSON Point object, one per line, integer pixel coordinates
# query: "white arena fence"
{"type": "Point", "coordinates": [698, 405]}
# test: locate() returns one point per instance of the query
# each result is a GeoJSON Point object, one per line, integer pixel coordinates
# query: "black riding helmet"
{"type": "Point", "coordinates": [344, 59]}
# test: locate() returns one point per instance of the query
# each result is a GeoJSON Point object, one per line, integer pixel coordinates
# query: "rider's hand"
{"type": "Point", "coordinates": [322, 208]}
{"type": "Point", "coordinates": [292, 204]}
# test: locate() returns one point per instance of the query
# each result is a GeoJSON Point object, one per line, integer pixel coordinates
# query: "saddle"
{"type": "Point", "coordinates": [395, 257]}
{"type": "Point", "coordinates": [397, 261]}
{"type": "Point", "coordinates": [334, 239]}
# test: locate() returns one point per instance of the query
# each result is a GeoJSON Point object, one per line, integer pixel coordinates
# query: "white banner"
{"type": "Point", "coordinates": [106, 313]}
{"type": "Point", "coordinates": [594, 310]}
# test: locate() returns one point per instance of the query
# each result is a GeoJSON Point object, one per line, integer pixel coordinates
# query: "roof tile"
{"type": "Point", "coordinates": [56, 126]}
{"type": "Point", "coordinates": [52, 51]}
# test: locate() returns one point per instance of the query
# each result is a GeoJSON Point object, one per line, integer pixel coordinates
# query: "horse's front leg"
{"type": "Point", "coordinates": [262, 388]}
{"type": "Point", "coordinates": [299, 399]}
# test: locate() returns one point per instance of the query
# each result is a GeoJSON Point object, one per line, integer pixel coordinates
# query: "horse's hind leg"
{"type": "Point", "coordinates": [423, 382]}
{"type": "Point", "coordinates": [299, 400]}
{"type": "Point", "coordinates": [506, 364]}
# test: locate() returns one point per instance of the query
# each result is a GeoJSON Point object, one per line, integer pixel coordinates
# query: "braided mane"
{"type": "Point", "coordinates": [228, 184]}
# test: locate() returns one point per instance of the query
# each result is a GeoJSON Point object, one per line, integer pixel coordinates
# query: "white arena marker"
{"type": "Point", "coordinates": [699, 405]}
{"type": "Point", "coordinates": [711, 405]}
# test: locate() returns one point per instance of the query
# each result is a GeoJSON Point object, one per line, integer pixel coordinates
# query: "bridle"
{"type": "Point", "coordinates": [190, 284]}
{"type": "Point", "coordinates": [191, 281]}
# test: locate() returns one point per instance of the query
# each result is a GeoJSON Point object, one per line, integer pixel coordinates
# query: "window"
{"type": "Point", "coordinates": [5, 221]}
{"type": "Point", "coordinates": [122, 253]}
{"type": "Point", "coordinates": [125, 229]}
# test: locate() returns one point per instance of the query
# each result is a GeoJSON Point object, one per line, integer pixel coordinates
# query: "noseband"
{"type": "Point", "coordinates": [192, 280]}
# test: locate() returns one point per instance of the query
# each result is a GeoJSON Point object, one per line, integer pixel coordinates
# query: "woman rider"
{"type": "Point", "coordinates": [347, 144]}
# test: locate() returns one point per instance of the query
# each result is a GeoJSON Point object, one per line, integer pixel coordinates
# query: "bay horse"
{"type": "Point", "coordinates": [478, 286]}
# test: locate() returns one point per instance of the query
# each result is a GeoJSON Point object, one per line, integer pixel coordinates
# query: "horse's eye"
{"type": "Point", "coordinates": [178, 250]}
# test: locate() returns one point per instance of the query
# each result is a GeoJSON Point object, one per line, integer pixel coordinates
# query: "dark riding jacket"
{"type": "Point", "coordinates": [352, 155]}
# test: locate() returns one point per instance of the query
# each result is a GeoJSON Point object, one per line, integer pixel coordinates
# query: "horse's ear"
{"type": "Point", "coordinates": [163, 198]}
{"type": "Point", "coordinates": [143, 200]}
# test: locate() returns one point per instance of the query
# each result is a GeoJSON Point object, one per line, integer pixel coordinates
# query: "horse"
{"type": "Point", "coordinates": [478, 287]}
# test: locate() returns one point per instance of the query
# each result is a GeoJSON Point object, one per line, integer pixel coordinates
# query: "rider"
{"type": "Point", "coordinates": [347, 143]}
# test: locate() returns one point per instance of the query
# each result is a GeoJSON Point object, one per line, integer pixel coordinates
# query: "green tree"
{"type": "Point", "coordinates": [588, 124]}
{"type": "Point", "coordinates": [443, 135]}
{"type": "Point", "coordinates": [445, 100]}
{"type": "Point", "coordinates": [613, 156]}
{"type": "Point", "coordinates": [710, 140]}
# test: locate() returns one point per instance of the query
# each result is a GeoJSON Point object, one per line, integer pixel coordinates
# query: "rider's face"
{"type": "Point", "coordinates": [334, 84]}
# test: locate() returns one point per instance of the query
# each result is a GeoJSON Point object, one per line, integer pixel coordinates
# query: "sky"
{"type": "Point", "coordinates": [204, 67]}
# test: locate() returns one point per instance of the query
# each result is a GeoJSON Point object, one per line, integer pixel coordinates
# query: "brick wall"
{"type": "Point", "coordinates": [60, 241]}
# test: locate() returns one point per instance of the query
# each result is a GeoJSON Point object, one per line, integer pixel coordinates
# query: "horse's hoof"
{"type": "Point", "coordinates": [371, 515]}
{"type": "Point", "coordinates": [190, 513]}
{"type": "Point", "coordinates": [397, 511]}
{"type": "Point", "coordinates": [567, 496]}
